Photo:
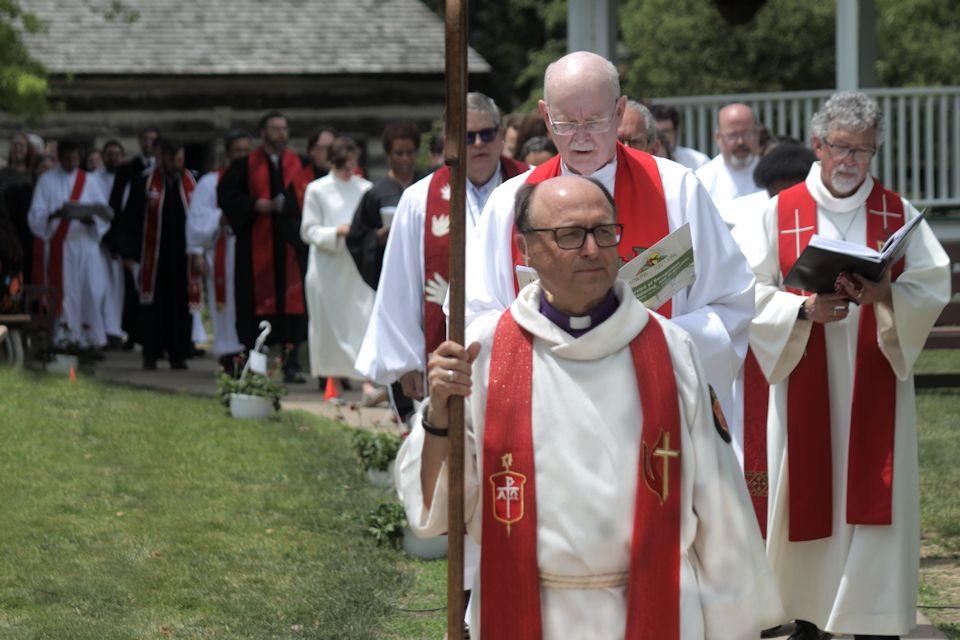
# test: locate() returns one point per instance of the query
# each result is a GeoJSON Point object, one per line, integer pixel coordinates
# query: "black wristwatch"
{"type": "Point", "coordinates": [432, 430]}
{"type": "Point", "coordinates": [802, 312]}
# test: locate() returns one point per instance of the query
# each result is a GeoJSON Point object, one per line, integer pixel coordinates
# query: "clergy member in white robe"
{"type": "Point", "coordinates": [843, 535]}
{"type": "Point", "coordinates": [584, 408]}
{"type": "Point", "coordinates": [339, 302]}
{"type": "Point", "coordinates": [72, 260]}
{"type": "Point", "coordinates": [581, 89]}
{"type": "Point", "coordinates": [730, 174]}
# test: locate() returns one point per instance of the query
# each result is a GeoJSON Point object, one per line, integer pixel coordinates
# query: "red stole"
{"type": "Point", "coordinates": [873, 413]}
{"type": "Point", "coordinates": [756, 396]}
{"type": "Point", "coordinates": [436, 245]}
{"type": "Point", "coordinates": [264, 285]}
{"type": "Point", "coordinates": [301, 181]}
{"type": "Point", "coordinates": [509, 574]}
{"type": "Point", "coordinates": [641, 206]}
{"type": "Point", "coordinates": [55, 262]}
{"type": "Point", "coordinates": [220, 257]}
{"type": "Point", "coordinates": [152, 226]}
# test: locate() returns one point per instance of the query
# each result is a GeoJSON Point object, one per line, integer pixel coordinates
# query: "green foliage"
{"type": "Point", "coordinates": [386, 523]}
{"type": "Point", "coordinates": [376, 450]}
{"type": "Point", "coordinates": [918, 43]}
{"type": "Point", "coordinates": [252, 384]}
{"type": "Point", "coordinates": [23, 82]}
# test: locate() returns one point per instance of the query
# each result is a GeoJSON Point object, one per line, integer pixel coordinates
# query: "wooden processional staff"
{"type": "Point", "coordinates": [454, 156]}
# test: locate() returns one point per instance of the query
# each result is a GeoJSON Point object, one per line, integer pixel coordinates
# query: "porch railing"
{"type": "Point", "coordinates": [920, 153]}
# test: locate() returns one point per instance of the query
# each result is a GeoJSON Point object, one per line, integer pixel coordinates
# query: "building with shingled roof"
{"type": "Point", "coordinates": [198, 69]}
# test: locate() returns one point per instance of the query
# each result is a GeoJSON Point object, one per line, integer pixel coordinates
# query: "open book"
{"type": "Point", "coordinates": [821, 262]}
{"type": "Point", "coordinates": [655, 275]}
{"type": "Point", "coordinates": [77, 211]}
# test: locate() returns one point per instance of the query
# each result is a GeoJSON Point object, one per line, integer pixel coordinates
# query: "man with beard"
{"type": "Point", "coordinates": [152, 237]}
{"type": "Point", "coordinates": [268, 281]}
{"type": "Point", "coordinates": [844, 523]}
{"type": "Point", "coordinates": [730, 174]}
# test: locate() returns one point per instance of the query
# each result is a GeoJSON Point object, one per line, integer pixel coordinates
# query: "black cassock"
{"type": "Point", "coordinates": [164, 325]}
{"type": "Point", "coordinates": [237, 204]}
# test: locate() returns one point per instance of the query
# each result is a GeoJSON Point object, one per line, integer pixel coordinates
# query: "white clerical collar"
{"type": "Point", "coordinates": [830, 202]}
{"type": "Point", "coordinates": [606, 175]}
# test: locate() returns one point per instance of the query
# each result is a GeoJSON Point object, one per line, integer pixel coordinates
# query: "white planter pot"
{"type": "Point", "coordinates": [426, 548]}
{"type": "Point", "coordinates": [62, 363]}
{"type": "Point", "coordinates": [250, 407]}
{"type": "Point", "coordinates": [379, 478]}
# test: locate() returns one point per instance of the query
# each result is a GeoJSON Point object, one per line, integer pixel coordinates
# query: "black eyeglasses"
{"type": "Point", "coordinates": [605, 235]}
{"type": "Point", "coordinates": [486, 135]}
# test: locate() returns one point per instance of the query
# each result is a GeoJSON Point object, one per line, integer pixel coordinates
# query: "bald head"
{"type": "Point", "coordinates": [737, 135]}
{"type": "Point", "coordinates": [552, 217]}
{"type": "Point", "coordinates": [582, 108]}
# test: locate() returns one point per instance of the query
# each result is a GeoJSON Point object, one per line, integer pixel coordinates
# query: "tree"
{"type": "Point", "coordinates": [918, 43]}
{"type": "Point", "coordinates": [23, 82]}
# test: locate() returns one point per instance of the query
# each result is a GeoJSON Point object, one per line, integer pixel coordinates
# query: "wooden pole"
{"type": "Point", "coordinates": [454, 155]}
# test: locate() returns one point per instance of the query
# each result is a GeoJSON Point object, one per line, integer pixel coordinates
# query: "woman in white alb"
{"type": "Point", "coordinates": [338, 300]}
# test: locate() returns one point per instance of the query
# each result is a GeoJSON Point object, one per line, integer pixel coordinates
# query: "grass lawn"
{"type": "Point", "coordinates": [133, 514]}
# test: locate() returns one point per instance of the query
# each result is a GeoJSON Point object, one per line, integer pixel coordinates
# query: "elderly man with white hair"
{"type": "Point", "coordinates": [730, 174]}
{"type": "Point", "coordinates": [638, 129]}
{"type": "Point", "coordinates": [843, 535]}
{"type": "Point", "coordinates": [583, 110]}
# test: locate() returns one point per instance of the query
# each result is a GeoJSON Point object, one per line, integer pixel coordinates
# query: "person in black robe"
{"type": "Point", "coordinates": [163, 324]}
{"type": "Point", "coordinates": [18, 198]}
{"type": "Point", "coordinates": [124, 176]}
{"type": "Point", "coordinates": [252, 197]}
{"type": "Point", "coordinates": [367, 238]}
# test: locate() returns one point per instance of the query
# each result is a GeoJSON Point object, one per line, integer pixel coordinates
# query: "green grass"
{"type": "Point", "coordinates": [132, 514]}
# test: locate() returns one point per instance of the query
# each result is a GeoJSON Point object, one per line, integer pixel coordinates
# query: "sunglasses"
{"type": "Point", "coordinates": [486, 135]}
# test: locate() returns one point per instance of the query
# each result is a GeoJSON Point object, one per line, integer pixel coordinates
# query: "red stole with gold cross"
{"type": "Point", "coordinates": [873, 413]}
{"type": "Point", "coordinates": [641, 206]}
{"type": "Point", "coordinates": [436, 247]}
{"type": "Point", "coordinates": [152, 226]}
{"type": "Point", "coordinates": [264, 285]}
{"type": "Point", "coordinates": [55, 261]}
{"type": "Point", "coordinates": [509, 573]}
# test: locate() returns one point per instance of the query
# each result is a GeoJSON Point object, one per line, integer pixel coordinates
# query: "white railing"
{"type": "Point", "coordinates": [920, 155]}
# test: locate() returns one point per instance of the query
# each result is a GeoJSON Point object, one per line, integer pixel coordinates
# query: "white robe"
{"type": "Point", "coordinates": [725, 183]}
{"type": "Point", "coordinates": [394, 342]}
{"type": "Point", "coordinates": [84, 268]}
{"type": "Point", "coordinates": [115, 290]}
{"type": "Point", "coordinates": [690, 158]}
{"type": "Point", "coordinates": [203, 232]}
{"type": "Point", "coordinates": [339, 302]}
{"type": "Point", "coordinates": [715, 310]}
{"type": "Point", "coordinates": [862, 579]}
{"type": "Point", "coordinates": [586, 408]}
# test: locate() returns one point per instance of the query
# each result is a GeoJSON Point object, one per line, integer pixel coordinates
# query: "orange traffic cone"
{"type": "Point", "coordinates": [73, 375]}
{"type": "Point", "coordinates": [331, 392]}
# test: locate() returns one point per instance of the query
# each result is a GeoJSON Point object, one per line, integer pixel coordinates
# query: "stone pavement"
{"type": "Point", "coordinates": [124, 367]}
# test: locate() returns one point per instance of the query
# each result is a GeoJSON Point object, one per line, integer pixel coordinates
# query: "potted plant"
{"type": "Point", "coordinates": [252, 395]}
{"type": "Point", "coordinates": [386, 523]}
{"type": "Point", "coordinates": [377, 452]}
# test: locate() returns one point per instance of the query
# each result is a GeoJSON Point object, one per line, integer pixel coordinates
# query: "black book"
{"type": "Point", "coordinates": [824, 259]}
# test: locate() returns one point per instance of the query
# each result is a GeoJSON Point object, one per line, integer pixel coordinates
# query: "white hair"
{"type": "Point", "coordinates": [648, 119]}
{"type": "Point", "coordinates": [607, 75]}
{"type": "Point", "coordinates": [849, 111]}
{"type": "Point", "coordinates": [480, 103]}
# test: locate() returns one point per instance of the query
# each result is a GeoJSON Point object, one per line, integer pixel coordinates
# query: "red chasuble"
{"type": "Point", "coordinates": [641, 206]}
{"type": "Point", "coordinates": [873, 414]}
{"type": "Point", "coordinates": [436, 245]}
{"type": "Point", "coordinates": [54, 270]}
{"type": "Point", "coordinates": [509, 573]}
{"type": "Point", "coordinates": [152, 225]}
{"type": "Point", "coordinates": [264, 284]}
{"type": "Point", "coordinates": [220, 257]}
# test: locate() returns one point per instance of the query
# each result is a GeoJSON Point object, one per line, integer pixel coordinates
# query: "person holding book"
{"type": "Point", "coordinates": [843, 531]}
{"type": "Point", "coordinates": [572, 391]}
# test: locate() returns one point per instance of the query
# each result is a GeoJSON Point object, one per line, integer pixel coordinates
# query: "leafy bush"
{"type": "Point", "coordinates": [253, 384]}
{"type": "Point", "coordinates": [376, 450]}
{"type": "Point", "coordinates": [386, 523]}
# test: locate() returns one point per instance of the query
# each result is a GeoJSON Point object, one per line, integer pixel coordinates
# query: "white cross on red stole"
{"type": "Point", "coordinates": [797, 229]}
{"type": "Point", "coordinates": [886, 214]}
